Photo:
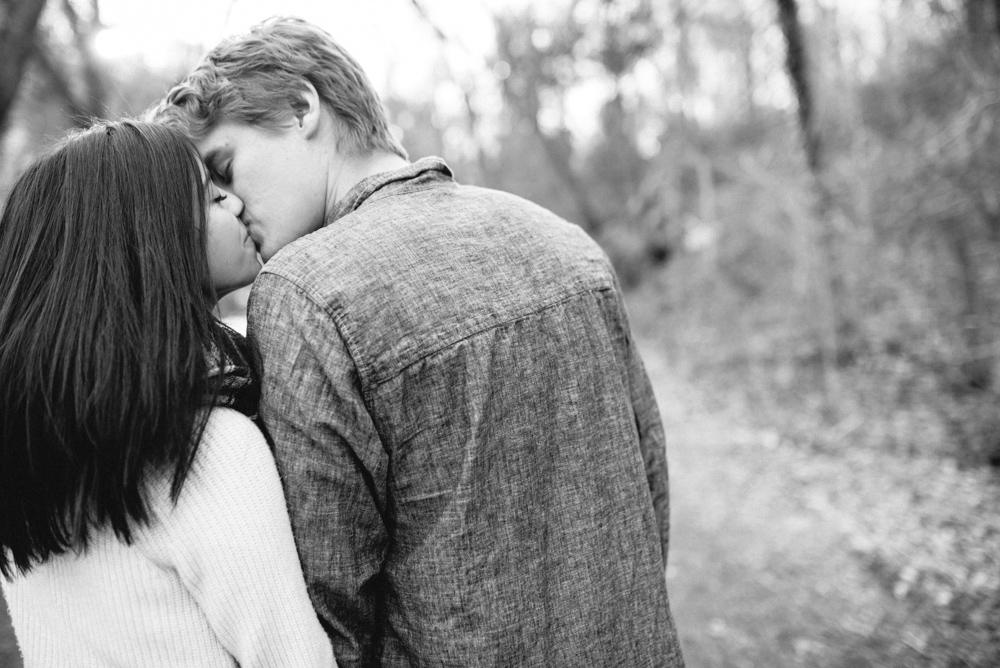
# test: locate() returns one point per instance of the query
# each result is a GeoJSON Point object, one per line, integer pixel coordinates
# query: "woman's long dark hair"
{"type": "Point", "coordinates": [105, 319]}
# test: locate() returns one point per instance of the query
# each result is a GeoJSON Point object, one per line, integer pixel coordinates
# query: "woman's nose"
{"type": "Point", "coordinates": [233, 204]}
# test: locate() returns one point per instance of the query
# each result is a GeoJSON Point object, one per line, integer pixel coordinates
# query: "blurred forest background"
{"type": "Point", "coordinates": [804, 201]}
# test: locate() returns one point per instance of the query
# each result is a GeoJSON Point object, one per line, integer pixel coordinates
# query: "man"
{"type": "Point", "coordinates": [471, 451]}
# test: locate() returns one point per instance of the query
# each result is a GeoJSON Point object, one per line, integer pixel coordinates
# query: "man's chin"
{"type": "Point", "coordinates": [263, 255]}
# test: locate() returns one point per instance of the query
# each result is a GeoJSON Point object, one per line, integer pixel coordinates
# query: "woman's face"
{"type": "Point", "coordinates": [232, 257]}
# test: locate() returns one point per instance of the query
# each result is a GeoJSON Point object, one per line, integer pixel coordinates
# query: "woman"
{"type": "Point", "coordinates": [139, 525]}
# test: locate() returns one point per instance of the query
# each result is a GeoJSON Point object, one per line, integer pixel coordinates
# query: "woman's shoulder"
{"type": "Point", "coordinates": [233, 476]}
{"type": "Point", "coordinates": [226, 424]}
{"type": "Point", "coordinates": [232, 457]}
{"type": "Point", "coordinates": [230, 443]}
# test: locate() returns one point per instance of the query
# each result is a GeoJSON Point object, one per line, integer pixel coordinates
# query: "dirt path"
{"type": "Point", "coordinates": [761, 574]}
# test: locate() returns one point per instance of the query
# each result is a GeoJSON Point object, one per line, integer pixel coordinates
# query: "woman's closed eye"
{"type": "Point", "coordinates": [215, 194]}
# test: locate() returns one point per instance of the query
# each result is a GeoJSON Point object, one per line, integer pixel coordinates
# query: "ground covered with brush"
{"type": "Point", "coordinates": [824, 551]}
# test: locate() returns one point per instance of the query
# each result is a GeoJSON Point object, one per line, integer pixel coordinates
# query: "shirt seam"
{"type": "Point", "coordinates": [476, 331]}
{"type": "Point", "coordinates": [370, 378]}
{"type": "Point", "coordinates": [314, 298]}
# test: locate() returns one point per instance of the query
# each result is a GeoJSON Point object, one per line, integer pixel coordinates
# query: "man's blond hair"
{"type": "Point", "coordinates": [257, 79]}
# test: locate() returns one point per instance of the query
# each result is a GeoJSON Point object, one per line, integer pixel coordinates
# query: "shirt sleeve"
{"type": "Point", "coordinates": [229, 538]}
{"type": "Point", "coordinates": [332, 461]}
{"type": "Point", "coordinates": [652, 443]}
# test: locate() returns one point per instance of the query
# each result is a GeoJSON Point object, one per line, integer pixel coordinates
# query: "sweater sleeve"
{"type": "Point", "coordinates": [230, 540]}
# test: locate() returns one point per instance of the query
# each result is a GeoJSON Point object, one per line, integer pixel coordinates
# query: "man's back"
{"type": "Point", "coordinates": [452, 390]}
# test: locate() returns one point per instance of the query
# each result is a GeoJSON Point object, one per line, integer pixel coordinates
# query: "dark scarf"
{"type": "Point", "coordinates": [232, 380]}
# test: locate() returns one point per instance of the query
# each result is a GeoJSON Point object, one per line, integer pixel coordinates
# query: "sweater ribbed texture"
{"type": "Point", "coordinates": [214, 581]}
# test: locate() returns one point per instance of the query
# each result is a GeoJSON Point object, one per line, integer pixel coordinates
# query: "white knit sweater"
{"type": "Point", "coordinates": [213, 581]}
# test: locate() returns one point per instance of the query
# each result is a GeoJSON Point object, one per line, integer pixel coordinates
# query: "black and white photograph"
{"type": "Point", "coordinates": [508, 333]}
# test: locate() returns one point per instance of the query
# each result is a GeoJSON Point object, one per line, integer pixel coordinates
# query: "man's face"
{"type": "Point", "coordinates": [277, 175]}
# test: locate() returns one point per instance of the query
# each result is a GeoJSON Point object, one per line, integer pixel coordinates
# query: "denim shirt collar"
{"type": "Point", "coordinates": [431, 169]}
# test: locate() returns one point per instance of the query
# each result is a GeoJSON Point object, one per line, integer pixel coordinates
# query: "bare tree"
{"type": "Point", "coordinates": [18, 24]}
{"type": "Point", "coordinates": [829, 282]}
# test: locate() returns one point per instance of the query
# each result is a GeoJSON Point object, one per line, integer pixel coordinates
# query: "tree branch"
{"type": "Point", "coordinates": [472, 116]}
{"type": "Point", "coordinates": [93, 105]}
{"type": "Point", "coordinates": [17, 35]}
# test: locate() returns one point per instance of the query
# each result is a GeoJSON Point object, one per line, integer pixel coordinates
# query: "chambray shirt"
{"type": "Point", "coordinates": [472, 455]}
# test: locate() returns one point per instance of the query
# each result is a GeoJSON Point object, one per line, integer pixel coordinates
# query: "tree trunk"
{"type": "Point", "coordinates": [18, 20]}
{"type": "Point", "coordinates": [982, 23]}
{"type": "Point", "coordinates": [975, 16]}
{"type": "Point", "coordinates": [976, 366]}
{"type": "Point", "coordinates": [798, 72]}
{"type": "Point", "coordinates": [829, 285]}
{"type": "Point", "coordinates": [746, 44]}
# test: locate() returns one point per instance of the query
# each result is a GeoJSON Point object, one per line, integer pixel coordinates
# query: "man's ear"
{"type": "Point", "coordinates": [307, 107]}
